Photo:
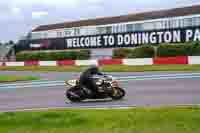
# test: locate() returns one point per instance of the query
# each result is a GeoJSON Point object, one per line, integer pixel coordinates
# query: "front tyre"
{"type": "Point", "coordinates": [73, 95]}
{"type": "Point", "coordinates": [118, 93]}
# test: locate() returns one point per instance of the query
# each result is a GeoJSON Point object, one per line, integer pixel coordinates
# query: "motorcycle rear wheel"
{"type": "Point", "coordinates": [118, 93]}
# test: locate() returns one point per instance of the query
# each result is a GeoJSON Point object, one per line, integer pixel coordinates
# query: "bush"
{"type": "Point", "coordinates": [121, 53]}
{"type": "Point", "coordinates": [163, 50]}
{"type": "Point", "coordinates": [47, 56]}
{"type": "Point", "coordinates": [84, 54]}
{"type": "Point", "coordinates": [168, 50]}
{"type": "Point", "coordinates": [194, 49]}
{"type": "Point", "coordinates": [145, 51]}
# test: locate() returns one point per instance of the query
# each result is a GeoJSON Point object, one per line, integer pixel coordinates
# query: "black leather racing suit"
{"type": "Point", "coordinates": [87, 81]}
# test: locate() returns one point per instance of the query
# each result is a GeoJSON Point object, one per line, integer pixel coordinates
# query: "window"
{"type": "Point", "coordinates": [162, 24]}
{"type": "Point", "coordinates": [59, 34]}
{"type": "Point", "coordinates": [129, 27]}
{"type": "Point", "coordinates": [101, 30]}
{"type": "Point", "coordinates": [76, 31]}
{"type": "Point", "coordinates": [88, 31]}
{"type": "Point", "coordinates": [68, 32]}
{"type": "Point", "coordinates": [122, 28]}
{"type": "Point", "coordinates": [187, 22]}
{"type": "Point", "coordinates": [36, 35]}
{"type": "Point", "coordinates": [119, 28]}
{"type": "Point", "coordinates": [83, 31]}
{"type": "Point", "coordinates": [158, 25]}
{"type": "Point", "coordinates": [148, 26]}
{"type": "Point", "coordinates": [175, 24]}
{"type": "Point", "coordinates": [166, 24]}
{"type": "Point", "coordinates": [115, 29]}
{"type": "Point", "coordinates": [138, 27]}
{"type": "Point", "coordinates": [92, 31]}
{"type": "Point", "coordinates": [45, 35]}
{"type": "Point", "coordinates": [196, 21]}
{"type": "Point", "coordinates": [181, 23]}
{"type": "Point", "coordinates": [108, 29]}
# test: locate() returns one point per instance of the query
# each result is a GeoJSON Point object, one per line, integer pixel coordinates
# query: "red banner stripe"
{"type": "Point", "coordinates": [31, 63]}
{"type": "Point", "coordinates": [110, 62]}
{"type": "Point", "coordinates": [171, 60]}
{"type": "Point", "coordinates": [65, 62]}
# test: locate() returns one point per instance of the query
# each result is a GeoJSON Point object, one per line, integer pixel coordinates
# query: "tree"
{"type": "Point", "coordinates": [11, 42]}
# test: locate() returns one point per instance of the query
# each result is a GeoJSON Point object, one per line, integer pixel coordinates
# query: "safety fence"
{"type": "Point", "coordinates": [131, 62]}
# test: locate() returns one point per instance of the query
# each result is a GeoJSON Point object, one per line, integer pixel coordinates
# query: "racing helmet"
{"type": "Point", "coordinates": [94, 68]}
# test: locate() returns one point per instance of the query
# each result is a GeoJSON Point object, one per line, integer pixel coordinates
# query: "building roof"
{"type": "Point", "coordinates": [183, 11]}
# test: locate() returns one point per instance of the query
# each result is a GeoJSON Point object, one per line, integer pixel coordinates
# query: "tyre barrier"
{"type": "Point", "coordinates": [130, 62]}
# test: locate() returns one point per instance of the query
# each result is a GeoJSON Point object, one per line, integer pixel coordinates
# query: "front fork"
{"type": "Point", "coordinates": [114, 84]}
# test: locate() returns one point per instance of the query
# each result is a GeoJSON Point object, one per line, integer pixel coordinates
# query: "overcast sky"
{"type": "Point", "coordinates": [17, 17]}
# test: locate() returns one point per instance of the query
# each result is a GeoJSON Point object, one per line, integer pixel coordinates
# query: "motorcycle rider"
{"type": "Point", "coordinates": [86, 79]}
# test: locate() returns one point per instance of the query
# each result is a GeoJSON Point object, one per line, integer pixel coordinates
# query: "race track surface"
{"type": "Point", "coordinates": [139, 93]}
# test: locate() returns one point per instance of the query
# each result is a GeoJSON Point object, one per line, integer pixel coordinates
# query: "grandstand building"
{"type": "Point", "coordinates": [101, 35]}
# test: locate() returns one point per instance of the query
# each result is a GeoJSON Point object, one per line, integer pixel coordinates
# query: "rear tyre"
{"type": "Point", "coordinates": [73, 95]}
{"type": "Point", "coordinates": [118, 93]}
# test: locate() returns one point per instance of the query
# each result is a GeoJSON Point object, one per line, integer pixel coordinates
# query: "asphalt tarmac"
{"type": "Point", "coordinates": [164, 92]}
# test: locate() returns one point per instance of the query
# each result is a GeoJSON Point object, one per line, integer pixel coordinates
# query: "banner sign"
{"type": "Point", "coordinates": [133, 39]}
{"type": "Point", "coordinates": [35, 45]}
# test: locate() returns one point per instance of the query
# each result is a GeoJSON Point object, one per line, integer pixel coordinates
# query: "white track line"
{"type": "Point", "coordinates": [121, 79]}
{"type": "Point", "coordinates": [103, 108]}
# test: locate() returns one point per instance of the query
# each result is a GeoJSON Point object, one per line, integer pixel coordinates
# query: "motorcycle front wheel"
{"type": "Point", "coordinates": [73, 95]}
{"type": "Point", "coordinates": [118, 93]}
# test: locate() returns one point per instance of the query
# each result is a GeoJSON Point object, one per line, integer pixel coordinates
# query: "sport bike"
{"type": "Point", "coordinates": [108, 87]}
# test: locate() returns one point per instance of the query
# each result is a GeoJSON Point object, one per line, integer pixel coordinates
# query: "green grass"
{"type": "Point", "coordinates": [141, 120]}
{"type": "Point", "coordinates": [16, 78]}
{"type": "Point", "coordinates": [109, 68]}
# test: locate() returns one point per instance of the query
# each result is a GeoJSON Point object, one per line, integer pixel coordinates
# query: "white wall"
{"type": "Point", "coordinates": [86, 62]}
{"type": "Point", "coordinates": [193, 60]}
{"type": "Point", "coordinates": [136, 62]}
{"type": "Point", "coordinates": [47, 63]}
{"type": "Point", "coordinates": [14, 63]}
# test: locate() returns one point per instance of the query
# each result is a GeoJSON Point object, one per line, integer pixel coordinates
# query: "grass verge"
{"type": "Point", "coordinates": [141, 120]}
{"type": "Point", "coordinates": [108, 68]}
{"type": "Point", "coordinates": [16, 78]}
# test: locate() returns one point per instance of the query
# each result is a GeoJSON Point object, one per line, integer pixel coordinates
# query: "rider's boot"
{"type": "Point", "coordinates": [88, 92]}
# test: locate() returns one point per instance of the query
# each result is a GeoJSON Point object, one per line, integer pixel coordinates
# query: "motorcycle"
{"type": "Point", "coordinates": [108, 87]}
